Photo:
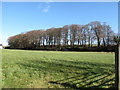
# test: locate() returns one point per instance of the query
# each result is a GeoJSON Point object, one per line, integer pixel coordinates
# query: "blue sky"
{"type": "Point", "coordinates": [20, 17]}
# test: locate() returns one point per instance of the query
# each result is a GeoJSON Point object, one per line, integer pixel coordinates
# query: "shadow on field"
{"type": "Point", "coordinates": [80, 75]}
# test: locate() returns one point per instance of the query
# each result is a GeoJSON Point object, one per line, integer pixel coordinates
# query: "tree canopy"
{"type": "Point", "coordinates": [93, 33]}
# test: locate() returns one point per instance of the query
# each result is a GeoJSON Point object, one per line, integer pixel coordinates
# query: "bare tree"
{"type": "Point", "coordinates": [64, 34]}
{"type": "Point", "coordinates": [73, 33]}
{"type": "Point", "coordinates": [79, 34]}
{"type": "Point", "coordinates": [97, 27]}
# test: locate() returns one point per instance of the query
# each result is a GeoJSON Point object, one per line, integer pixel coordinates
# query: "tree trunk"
{"type": "Point", "coordinates": [104, 42]}
{"type": "Point", "coordinates": [98, 42]}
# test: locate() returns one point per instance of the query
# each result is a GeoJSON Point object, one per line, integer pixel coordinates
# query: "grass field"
{"type": "Point", "coordinates": [56, 69]}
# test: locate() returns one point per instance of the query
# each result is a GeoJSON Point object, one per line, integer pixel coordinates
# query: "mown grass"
{"type": "Point", "coordinates": [56, 69]}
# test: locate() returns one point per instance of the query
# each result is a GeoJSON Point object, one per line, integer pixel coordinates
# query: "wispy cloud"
{"type": "Point", "coordinates": [48, 1]}
{"type": "Point", "coordinates": [44, 7]}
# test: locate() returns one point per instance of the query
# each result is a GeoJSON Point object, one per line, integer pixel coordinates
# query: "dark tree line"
{"type": "Point", "coordinates": [93, 33]}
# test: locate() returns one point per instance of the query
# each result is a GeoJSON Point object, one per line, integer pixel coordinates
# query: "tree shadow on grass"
{"type": "Point", "coordinates": [81, 75]}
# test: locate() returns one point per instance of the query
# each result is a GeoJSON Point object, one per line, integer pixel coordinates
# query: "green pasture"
{"type": "Point", "coordinates": [57, 69]}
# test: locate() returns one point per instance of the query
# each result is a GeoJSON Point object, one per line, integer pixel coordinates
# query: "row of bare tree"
{"type": "Point", "coordinates": [91, 34]}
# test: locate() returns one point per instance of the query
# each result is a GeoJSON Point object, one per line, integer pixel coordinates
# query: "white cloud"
{"type": "Point", "coordinates": [48, 1]}
{"type": "Point", "coordinates": [44, 7]}
{"type": "Point", "coordinates": [3, 40]}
